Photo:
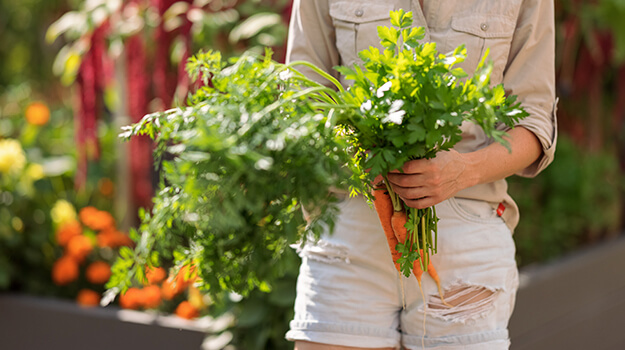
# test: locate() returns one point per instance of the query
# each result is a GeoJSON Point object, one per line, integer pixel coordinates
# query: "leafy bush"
{"type": "Point", "coordinates": [575, 201]}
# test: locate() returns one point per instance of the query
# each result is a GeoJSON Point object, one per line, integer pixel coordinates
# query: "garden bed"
{"type": "Point", "coordinates": [576, 302]}
{"type": "Point", "coordinates": [30, 323]}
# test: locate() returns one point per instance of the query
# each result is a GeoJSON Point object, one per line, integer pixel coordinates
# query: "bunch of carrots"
{"type": "Point", "coordinates": [393, 218]}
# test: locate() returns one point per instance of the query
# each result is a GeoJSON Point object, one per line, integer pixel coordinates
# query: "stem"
{"type": "Point", "coordinates": [319, 71]}
{"type": "Point", "coordinates": [430, 227]}
{"type": "Point", "coordinates": [416, 238]}
{"type": "Point", "coordinates": [397, 204]}
{"type": "Point", "coordinates": [280, 102]}
{"type": "Point", "coordinates": [425, 258]}
{"type": "Point", "coordinates": [435, 229]}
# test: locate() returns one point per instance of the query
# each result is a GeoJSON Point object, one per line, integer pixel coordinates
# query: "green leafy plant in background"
{"type": "Point", "coordinates": [580, 203]}
{"type": "Point", "coordinates": [37, 167]}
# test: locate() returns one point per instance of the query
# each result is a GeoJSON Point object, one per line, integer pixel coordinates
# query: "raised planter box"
{"type": "Point", "coordinates": [32, 323]}
{"type": "Point", "coordinates": [577, 302]}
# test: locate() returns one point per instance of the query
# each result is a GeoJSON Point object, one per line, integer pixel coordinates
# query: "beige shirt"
{"type": "Point", "coordinates": [519, 33]}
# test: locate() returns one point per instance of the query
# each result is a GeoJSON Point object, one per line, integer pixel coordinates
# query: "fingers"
{"type": "Point", "coordinates": [416, 166]}
{"type": "Point", "coordinates": [421, 203]}
{"type": "Point", "coordinates": [378, 181]}
{"type": "Point", "coordinates": [417, 197]}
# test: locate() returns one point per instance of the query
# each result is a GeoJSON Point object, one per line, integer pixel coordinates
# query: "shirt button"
{"type": "Point", "coordinates": [484, 26]}
{"type": "Point", "coordinates": [359, 13]}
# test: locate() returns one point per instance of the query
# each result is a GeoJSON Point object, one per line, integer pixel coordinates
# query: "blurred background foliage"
{"type": "Point", "coordinates": [576, 202]}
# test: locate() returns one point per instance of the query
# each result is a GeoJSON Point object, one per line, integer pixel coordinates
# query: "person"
{"type": "Point", "coordinates": [349, 295]}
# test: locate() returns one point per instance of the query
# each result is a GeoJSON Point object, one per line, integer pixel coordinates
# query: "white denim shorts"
{"type": "Point", "coordinates": [349, 292]}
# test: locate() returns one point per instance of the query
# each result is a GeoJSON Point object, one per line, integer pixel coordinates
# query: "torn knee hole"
{"type": "Point", "coordinates": [463, 302]}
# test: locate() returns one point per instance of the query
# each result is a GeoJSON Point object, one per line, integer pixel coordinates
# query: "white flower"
{"type": "Point", "coordinates": [366, 106]}
{"type": "Point", "coordinates": [384, 88]}
{"type": "Point", "coordinates": [395, 113]}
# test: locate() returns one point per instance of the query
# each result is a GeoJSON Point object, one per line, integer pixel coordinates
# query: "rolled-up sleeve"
{"type": "Point", "coordinates": [312, 38]}
{"type": "Point", "coordinates": [530, 74]}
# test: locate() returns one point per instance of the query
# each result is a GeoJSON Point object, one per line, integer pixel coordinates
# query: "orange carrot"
{"type": "Point", "coordinates": [384, 208]}
{"type": "Point", "coordinates": [398, 222]}
{"type": "Point", "coordinates": [432, 272]}
{"type": "Point", "coordinates": [394, 226]}
{"type": "Point", "coordinates": [417, 270]}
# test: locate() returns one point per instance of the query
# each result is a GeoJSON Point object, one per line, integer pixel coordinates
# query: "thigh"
{"type": "Point", "coordinates": [479, 277]}
{"type": "Point", "coordinates": [348, 291]}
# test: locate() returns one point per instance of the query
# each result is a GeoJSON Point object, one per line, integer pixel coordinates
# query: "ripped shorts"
{"type": "Point", "coordinates": [349, 292]}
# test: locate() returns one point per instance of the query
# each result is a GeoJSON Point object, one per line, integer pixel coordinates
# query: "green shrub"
{"type": "Point", "coordinates": [575, 201]}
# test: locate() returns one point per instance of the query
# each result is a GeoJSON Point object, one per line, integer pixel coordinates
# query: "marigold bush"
{"type": "Point", "coordinates": [112, 238]}
{"type": "Point", "coordinates": [131, 299]}
{"type": "Point", "coordinates": [96, 219]}
{"type": "Point", "coordinates": [88, 298]}
{"type": "Point", "coordinates": [98, 272]}
{"type": "Point", "coordinates": [79, 247]}
{"type": "Point", "coordinates": [67, 231]}
{"type": "Point", "coordinates": [187, 311]}
{"type": "Point", "coordinates": [155, 275]}
{"type": "Point", "coordinates": [65, 270]}
{"type": "Point", "coordinates": [151, 297]}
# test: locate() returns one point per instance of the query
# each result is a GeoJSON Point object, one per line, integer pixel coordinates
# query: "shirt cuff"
{"type": "Point", "coordinates": [547, 134]}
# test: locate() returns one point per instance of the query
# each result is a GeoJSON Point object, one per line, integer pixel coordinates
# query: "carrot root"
{"type": "Point", "coordinates": [434, 274]}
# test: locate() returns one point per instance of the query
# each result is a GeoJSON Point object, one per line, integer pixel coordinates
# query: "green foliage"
{"type": "Point", "coordinates": [412, 103]}
{"type": "Point", "coordinates": [238, 164]}
{"type": "Point", "coordinates": [262, 318]}
{"type": "Point", "coordinates": [575, 201]}
{"type": "Point", "coordinates": [24, 56]}
{"type": "Point", "coordinates": [42, 177]}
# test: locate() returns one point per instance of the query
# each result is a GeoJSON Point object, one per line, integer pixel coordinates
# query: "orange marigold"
{"type": "Point", "coordinates": [170, 289]}
{"type": "Point", "coordinates": [151, 297]}
{"type": "Point", "coordinates": [88, 298]}
{"type": "Point", "coordinates": [98, 272]}
{"type": "Point", "coordinates": [66, 231]}
{"type": "Point", "coordinates": [64, 270]}
{"type": "Point", "coordinates": [112, 238]}
{"type": "Point", "coordinates": [106, 187]}
{"type": "Point", "coordinates": [132, 299]}
{"type": "Point", "coordinates": [186, 276]}
{"type": "Point", "coordinates": [186, 310]}
{"type": "Point", "coordinates": [37, 113]}
{"type": "Point", "coordinates": [155, 274]}
{"type": "Point", "coordinates": [96, 219]}
{"type": "Point", "coordinates": [79, 247]}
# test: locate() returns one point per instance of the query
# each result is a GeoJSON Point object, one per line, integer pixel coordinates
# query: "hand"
{"type": "Point", "coordinates": [426, 182]}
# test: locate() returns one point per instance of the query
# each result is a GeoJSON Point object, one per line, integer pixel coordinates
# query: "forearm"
{"type": "Point", "coordinates": [496, 162]}
{"type": "Point", "coordinates": [425, 182]}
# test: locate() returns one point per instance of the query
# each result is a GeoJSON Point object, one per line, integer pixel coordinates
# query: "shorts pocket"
{"type": "Point", "coordinates": [480, 32]}
{"type": "Point", "coordinates": [475, 211]}
{"type": "Point", "coordinates": [356, 24]}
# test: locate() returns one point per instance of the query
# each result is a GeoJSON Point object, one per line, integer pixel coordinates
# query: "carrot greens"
{"type": "Point", "coordinates": [238, 164]}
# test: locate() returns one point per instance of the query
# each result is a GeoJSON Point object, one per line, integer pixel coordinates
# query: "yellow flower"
{"type": "Point", "coordinates": [62, 211]}
{"type": "Point", "coordinates": [34, 172]}
{"type": "Point", "coordinates": [12, 156]}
